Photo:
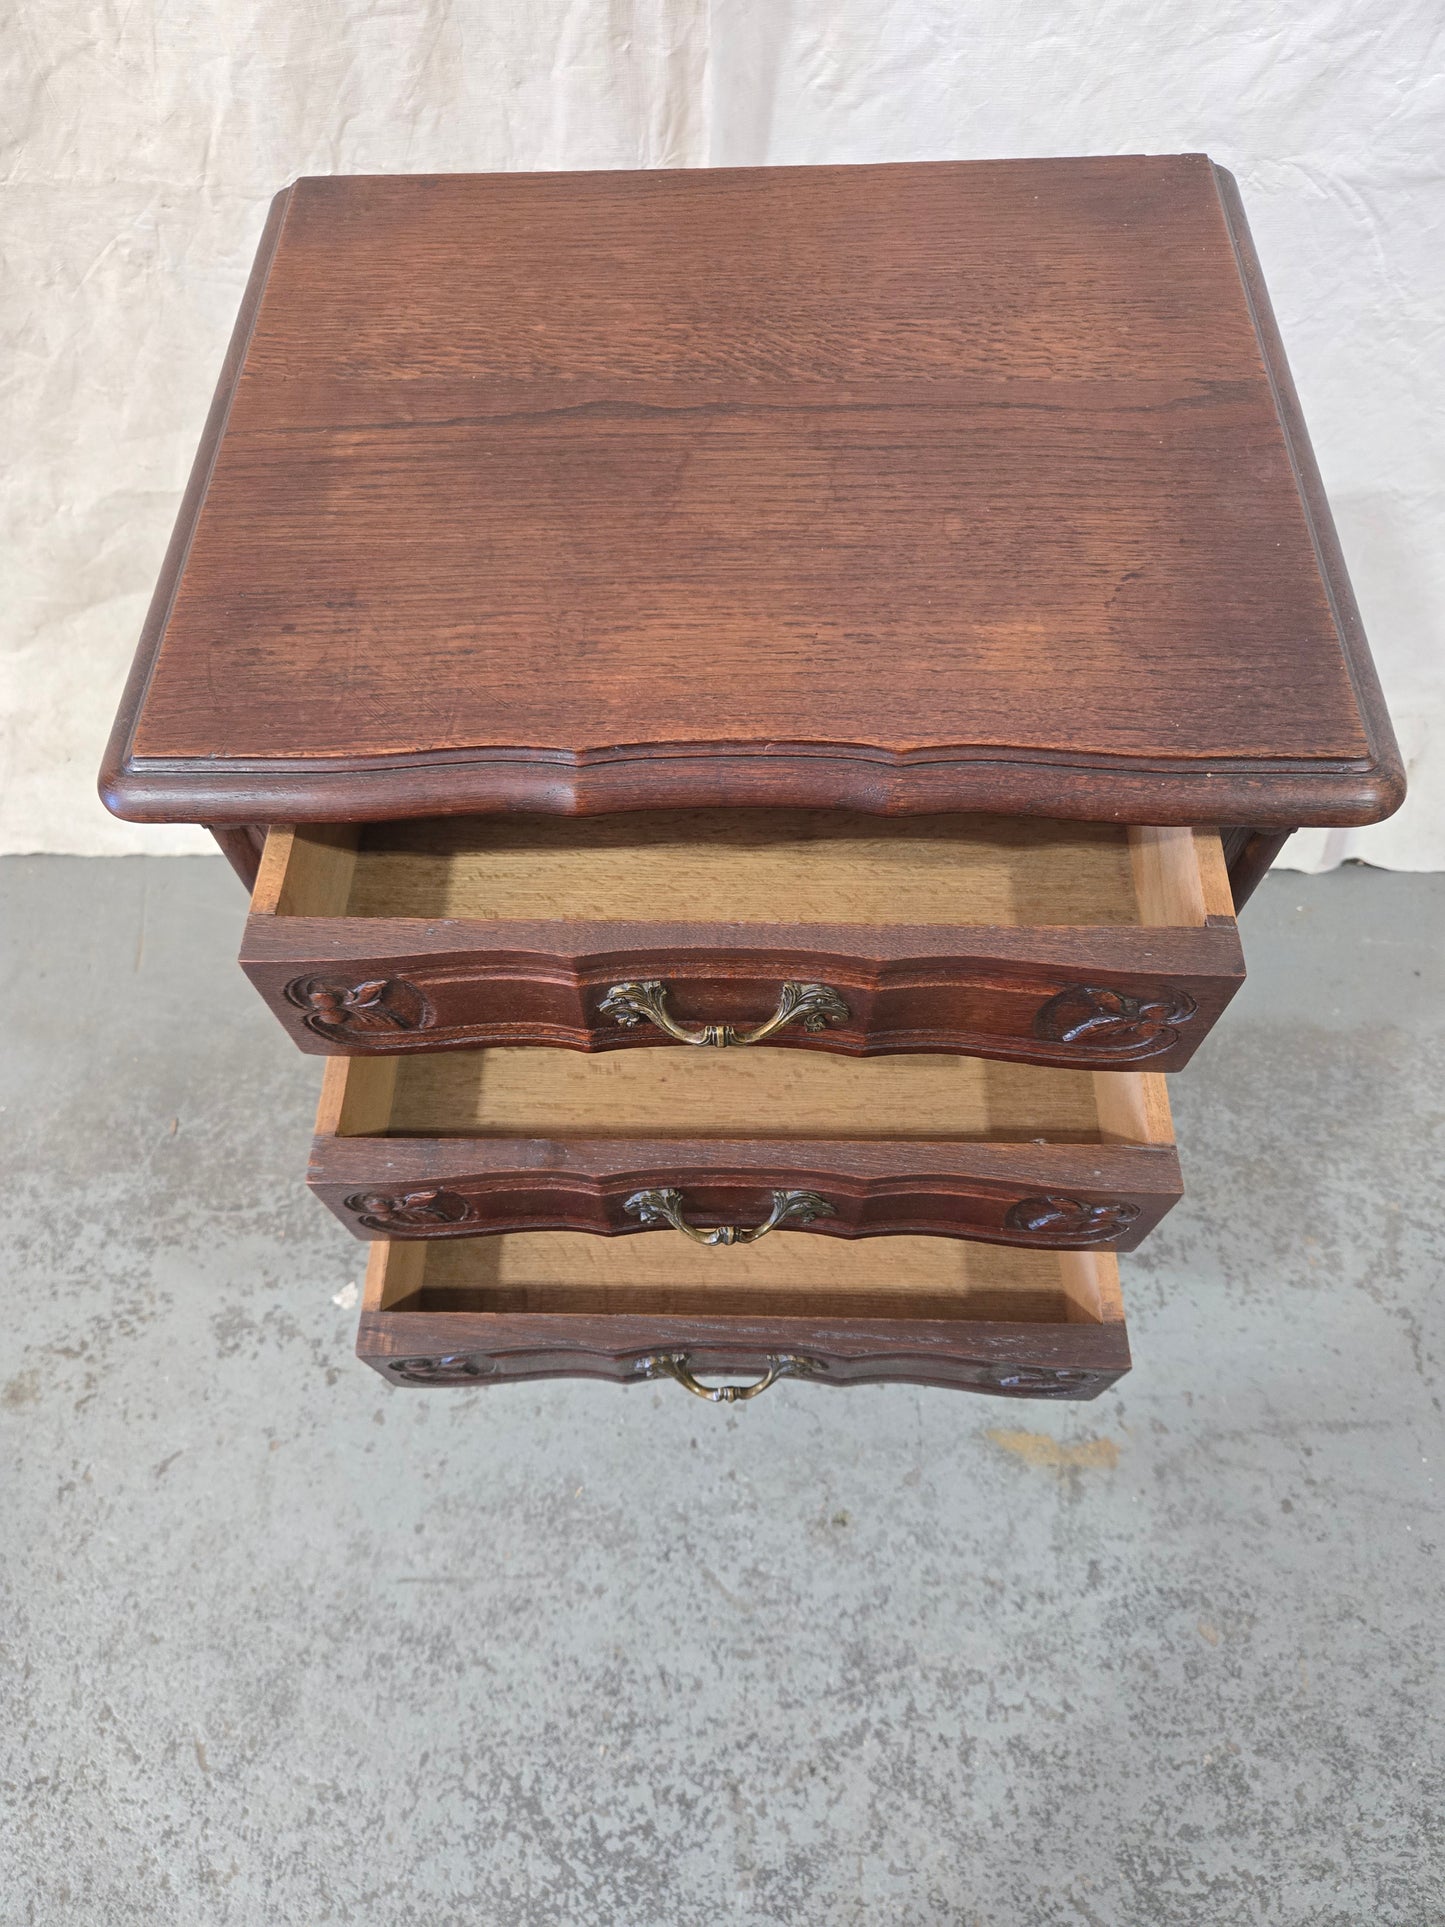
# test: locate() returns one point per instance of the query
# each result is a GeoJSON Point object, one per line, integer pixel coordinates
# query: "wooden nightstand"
{"type": "Point", "coordinates": [828, 648]}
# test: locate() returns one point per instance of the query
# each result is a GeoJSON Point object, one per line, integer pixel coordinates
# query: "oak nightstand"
{"type": "Point", "coordinates": [748, 701]}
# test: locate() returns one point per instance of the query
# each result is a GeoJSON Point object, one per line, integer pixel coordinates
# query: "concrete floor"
{"type": "Point", "coordinates": [285, 1646]}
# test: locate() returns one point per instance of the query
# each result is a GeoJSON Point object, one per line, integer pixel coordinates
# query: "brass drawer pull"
{"type": "Point", "coordinates": [662, 1207]}
{"type": "Point", "coordinates": [627, 1004]}
{"type": "Point", "coordinates": [675, 1365]}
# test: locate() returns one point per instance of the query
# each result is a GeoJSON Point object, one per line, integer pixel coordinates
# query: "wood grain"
{"type": "Point", "coordinates": [905, 488]}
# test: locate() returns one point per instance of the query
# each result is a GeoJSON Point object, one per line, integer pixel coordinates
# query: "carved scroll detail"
{"type": "Point", "coordinates": [408, 1210]}
{"type": "Point", "coordinates": [1070, 1220]}
{"type": "Point", "coordinates": [451, 1368]}
{"type": "Point", "coordinates": [1036, 1380]}
{"type": "Point", "coordinates": [1113, 1021]}
{"type": "Point", "coordinates": [335, 1008]}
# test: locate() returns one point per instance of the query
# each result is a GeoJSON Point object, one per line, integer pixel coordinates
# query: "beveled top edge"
{"type": "Point", "coordinates": [1238, 791]}
{"type": "Point", "coordinates": [1170, 157]}
{"type": "Point", "coordinates": [1385, 774]}
{"type": "Point", "coordinates": [697, 776]}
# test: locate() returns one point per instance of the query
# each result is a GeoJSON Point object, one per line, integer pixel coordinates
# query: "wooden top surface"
{"type": "Point", "coordinates": [916, 487]}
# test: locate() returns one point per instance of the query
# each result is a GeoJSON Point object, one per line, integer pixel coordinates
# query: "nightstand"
{"type": "Point", "coordinates": [748, 702]}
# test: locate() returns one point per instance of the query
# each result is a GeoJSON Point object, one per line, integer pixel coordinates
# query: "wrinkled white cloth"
{"type": "Point", "coordinates": [143, 141]}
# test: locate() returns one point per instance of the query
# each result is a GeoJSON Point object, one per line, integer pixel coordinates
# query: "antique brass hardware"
{"type": "Point", "coordinates": [664, 1206]}
{"type": "Point", "coordinates": [814, 1004]}
{"type": "Point", "coordinates": [675, 1365]}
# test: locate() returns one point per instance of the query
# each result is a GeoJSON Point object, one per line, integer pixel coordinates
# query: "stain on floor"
{"type": "Point", "coordinates": [1057, 1455]}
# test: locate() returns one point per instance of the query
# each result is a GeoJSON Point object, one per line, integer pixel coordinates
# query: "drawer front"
{"type": "Point", "coordinates": [1111, 1008]}
{"type": "Point", "coordinates": [1004, 1361]}
{"type": "Point", "coordinates": [1054, 1197]}
{"type": "Point", "coordinates": [1142, 984]}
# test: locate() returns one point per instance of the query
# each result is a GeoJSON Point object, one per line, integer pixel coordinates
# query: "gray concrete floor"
{"type": "Point", "coordinates": [284, 1645]}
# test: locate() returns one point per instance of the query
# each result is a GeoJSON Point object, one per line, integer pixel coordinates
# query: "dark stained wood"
{"type": "Point", "coordinates": [241, 844]}
{"type": "Point", "coordinates": [1249, 854]}
{"type": "Point", "coordinates": [1348, 623]}
{"type": "Point", "coordinates": [983, 992]}
{"type": "Point", "coordinates": [1030, 1360]}
{"type": "Point", "coordinates": [1055, 1197]}
{"type": "Point", "coordinates": [907, 488]}
{"type": "Point", "coordinates": [116, 770]}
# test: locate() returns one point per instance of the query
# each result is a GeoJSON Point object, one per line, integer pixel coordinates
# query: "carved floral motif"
{"type": "Point", "coordinates": [1070, 1220]}
{"type": "Point", "coordinates": [451, 1368]}
{"type": "Point", "coordinates": [335, 1008]}
{"type": "Point", "coordinates": [1113, 1021]}
{"type": "Point", "coordinates": [407, 1210]}
{"type": "Point", "coordinates": [1036, 1380]}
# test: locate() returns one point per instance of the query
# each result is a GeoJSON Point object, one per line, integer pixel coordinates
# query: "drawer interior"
{"type": "Point", "coordinates": [571, 1273]}
{"type": "Point", "coordinates": [757, 1094]}
{"type": "Point", "coordinates": [752, 866]}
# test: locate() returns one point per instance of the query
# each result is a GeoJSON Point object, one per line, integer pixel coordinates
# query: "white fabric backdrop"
{"type": "Point", "coordinates": [143, 141]}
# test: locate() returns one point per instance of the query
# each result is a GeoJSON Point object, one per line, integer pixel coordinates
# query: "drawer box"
{"type": "Point", "coordinates": [734, 1146]}
{"type": "Point", "coordinates": [921, 1311]}
{"type": "Point", "coordinates": [1011, 937]}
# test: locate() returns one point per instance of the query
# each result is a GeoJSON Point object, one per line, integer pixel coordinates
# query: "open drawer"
{"type": "Point", "coordinates": [1013, 937]}
{"type": "Point", "coordinates": [723, 1149]}
{"type": "Point", "coordinates": [923, 1311]}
